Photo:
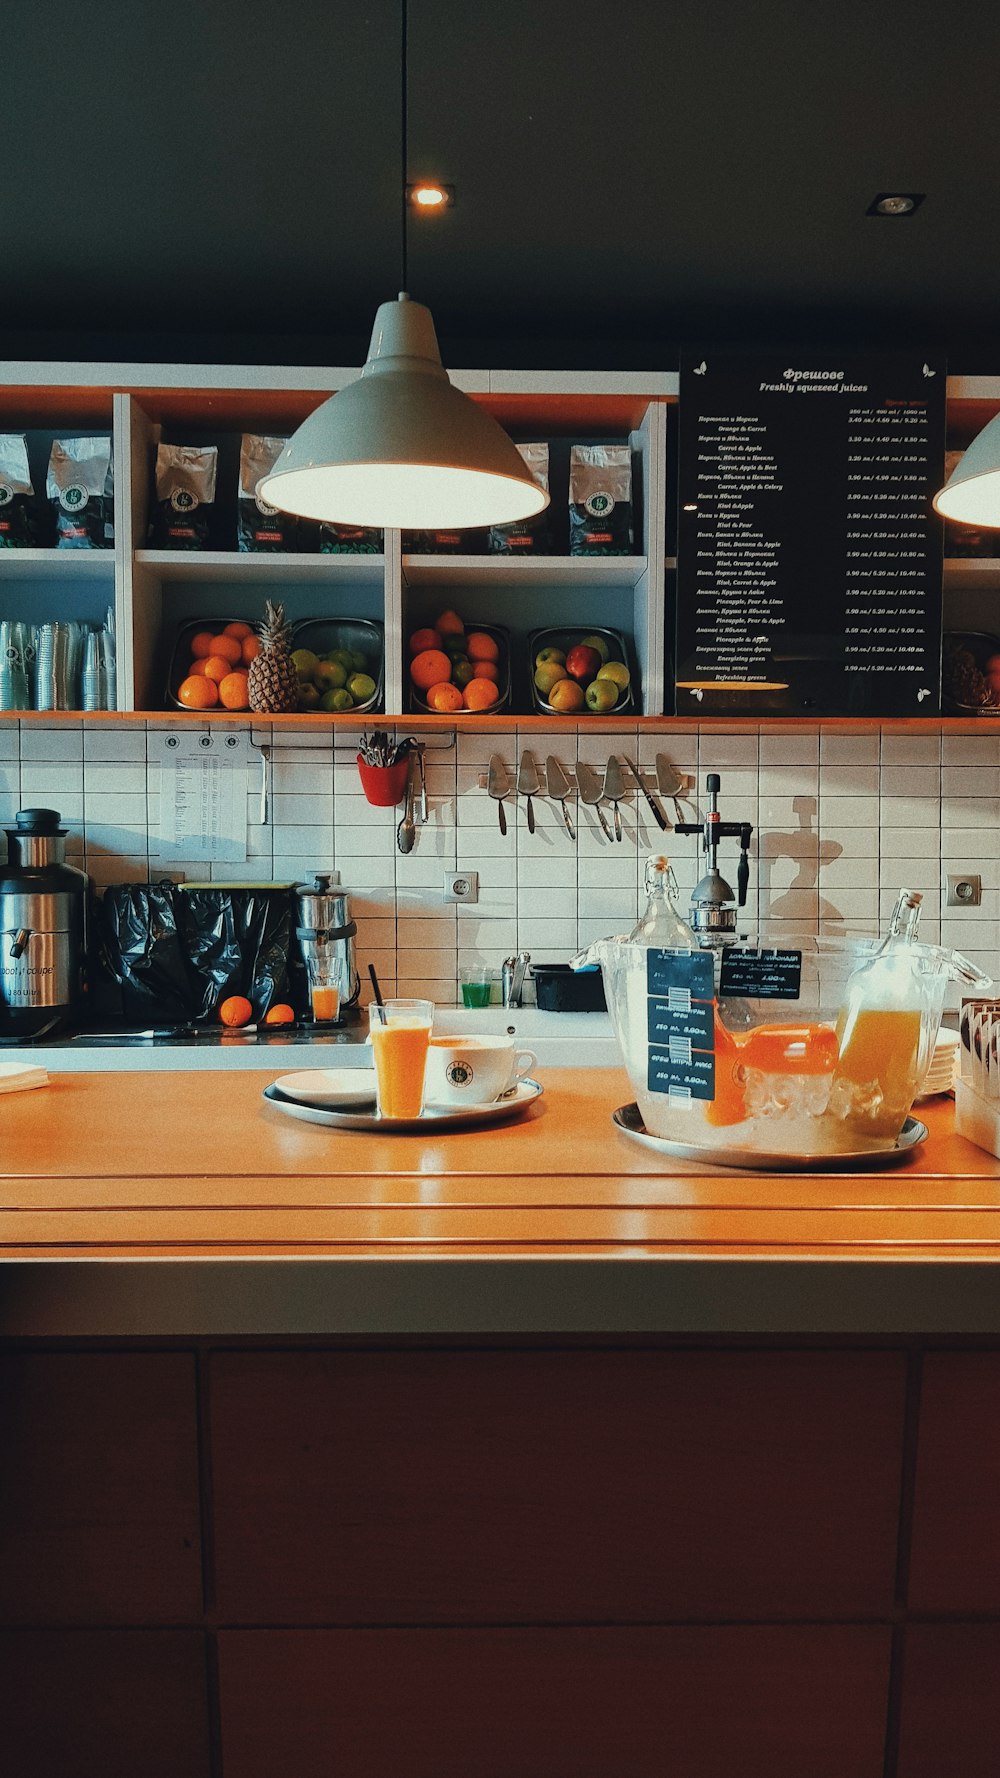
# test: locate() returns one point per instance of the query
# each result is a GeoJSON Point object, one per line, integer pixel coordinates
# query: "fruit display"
{"type": "Point", "coordinates": [322, 664]}
{"type": "Point", "coordinates": [579, 673]}
{"type": "Point", "coordinates": [454, 671]}
{"type": "Point", "coordinates": [970, 671]}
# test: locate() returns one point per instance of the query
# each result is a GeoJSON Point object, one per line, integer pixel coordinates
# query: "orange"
{"type": "Point", "coordinates": [479, 694]}
{"type": "Point", "coordinates": [227, 645]}
{"type": "Point", "coordinates": [197, 692]}
{"type": "Point", "coordinates": [422, 639]}
{"type": "Point", "coordinates": [233, 693]}
{"type": "Point", "coordinates": [480, 647]}
{"type": "Point", "coordinates": [280, 1014]}
{"type": "Point", "coordinates": [238, 630]}
{"type": "Point", "coordinates": [198, 666]}
{"type": "Point", "coordinates": [429, 668]}
{"type": "Point", "coordinates": [449, 624]}
{"type": "Point", "coordinates": [217, 666]}
{"type": "Point", "coordinates": [486, 670]}
{"type": "Point", "coordinates": [236, 1011]}
{"type": "Point", "coordinates": [445, 696]}
{"type": "Point", "coordinates": [202, 643]}
{"type": "Point", "coordinates": [250, 648]}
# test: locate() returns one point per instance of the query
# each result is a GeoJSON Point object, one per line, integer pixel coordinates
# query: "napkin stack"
{"type": "Point", "coordinates": [15, 1076]}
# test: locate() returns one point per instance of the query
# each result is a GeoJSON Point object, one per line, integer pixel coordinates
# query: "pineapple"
{"type": "Point", "coordinates": [273, 685]}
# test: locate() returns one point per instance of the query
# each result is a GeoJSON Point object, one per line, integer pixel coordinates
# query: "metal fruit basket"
{"type": "Point", "coordinates": [981, 645]}
{"type": "Point", "coordinates": [502, 702]}
{"type": "Point", "coordinates": [567, 637]}
{"type": "Point", "coordinates": [321, 634]}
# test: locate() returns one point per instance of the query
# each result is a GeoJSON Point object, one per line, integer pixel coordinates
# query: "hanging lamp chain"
{"type": "Point", "coordinates": [403, 139]}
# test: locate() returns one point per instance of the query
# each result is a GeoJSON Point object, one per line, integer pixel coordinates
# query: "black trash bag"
{"type": "Point", "coordinates": [141, 950]}
{"type": "Point", "coordinates": [241, 941]}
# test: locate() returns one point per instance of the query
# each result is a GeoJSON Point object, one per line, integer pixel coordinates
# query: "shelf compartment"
{"type": "Point", "coordinates": [261, 569]}
{"type": "Point", "coordinates": [57, 564]}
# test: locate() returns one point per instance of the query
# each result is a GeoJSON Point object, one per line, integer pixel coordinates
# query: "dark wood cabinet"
{"type": "Point", "coordinates": [955, 1562]}
{"type": "Point", "coordinates": [950, 1714]}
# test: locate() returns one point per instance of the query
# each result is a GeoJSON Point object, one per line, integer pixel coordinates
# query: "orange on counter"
{"type": "Point", "coordinates": [280, 1014]}
{"type": "Point", "coordinates": [197, 692]}
{"type": "Point", "coordinates": [236, 1010]}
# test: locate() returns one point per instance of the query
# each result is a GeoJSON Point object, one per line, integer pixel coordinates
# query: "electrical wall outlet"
{"type": "Point", "coordinates": [965, 890]}
{"type": "Point", "coordinates": [461, 885]}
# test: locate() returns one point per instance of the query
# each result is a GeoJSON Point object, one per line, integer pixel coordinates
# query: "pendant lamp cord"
{"type": "Point", "coordinates": [404, 145]}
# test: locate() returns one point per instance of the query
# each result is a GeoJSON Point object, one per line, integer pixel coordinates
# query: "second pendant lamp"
{"type": "Point", "coordinates": [402, 447]}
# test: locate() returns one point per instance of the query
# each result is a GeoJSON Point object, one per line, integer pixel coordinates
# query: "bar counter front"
{"type": "Point", "coordinates": [515, 1450]}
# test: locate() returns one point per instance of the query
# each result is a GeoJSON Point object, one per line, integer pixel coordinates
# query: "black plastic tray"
{"type": "Point", "coordinates": [566, 638]}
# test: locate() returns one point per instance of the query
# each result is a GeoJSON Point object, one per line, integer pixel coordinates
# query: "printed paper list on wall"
{"type": "Point", "coordinates": [809, 556]}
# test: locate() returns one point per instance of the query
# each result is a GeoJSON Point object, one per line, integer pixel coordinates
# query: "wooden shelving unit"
{"type": "Point", "coordinates": [154, 590]}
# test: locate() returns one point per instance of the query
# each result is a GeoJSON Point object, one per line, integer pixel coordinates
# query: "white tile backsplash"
{"type": "Point", "coordinates": [835, 842]}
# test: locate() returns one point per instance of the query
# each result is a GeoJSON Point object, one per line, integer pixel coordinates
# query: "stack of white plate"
{"type": "Point", "coordinates": [944, 1065]}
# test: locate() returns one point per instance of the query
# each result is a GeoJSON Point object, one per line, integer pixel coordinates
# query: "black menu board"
{"type": "Point", "coordinates": [809, 556]}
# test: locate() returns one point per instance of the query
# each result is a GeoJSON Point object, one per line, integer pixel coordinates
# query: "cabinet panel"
{"type": "Point", "coordinates": [493, 1487]}
{"type": "Point", "coordinates": [99, 1492]}
{"type": "Point", "coordinates": [104, 1704]}
{"type": "Point", "coordinates": [955, 1561]}
{"type": "Point", "coordinates": [950, 1722]}
{"type": "Point", "coordinates": [705, 1703]}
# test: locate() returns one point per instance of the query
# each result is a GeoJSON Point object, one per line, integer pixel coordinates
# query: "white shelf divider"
{"type": "Point", "coordinates": [253, 569]}
{"type": "Point", "coordinates": [494, 570]}
{"type": "Point", "coordinates": [58, 564]}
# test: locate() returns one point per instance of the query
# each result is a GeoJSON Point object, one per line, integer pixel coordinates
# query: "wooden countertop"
{"type": "Point", "coordinates": [196, 1167]}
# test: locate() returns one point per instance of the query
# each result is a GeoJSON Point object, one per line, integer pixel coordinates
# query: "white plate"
{"type": "Point", "coordinates": [628, 1119]}
{"type": "Point", "coordinates": [335, 1088]}
{"type": "Point", "coordinates": [511, 1105]}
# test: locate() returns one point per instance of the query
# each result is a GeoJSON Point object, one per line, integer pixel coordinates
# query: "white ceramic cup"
{"type": "Point", "coordinates": [473, 1070]}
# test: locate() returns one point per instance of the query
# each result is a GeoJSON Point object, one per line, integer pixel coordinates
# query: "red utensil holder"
{"type": "Point", "coordinates": [384, 786]}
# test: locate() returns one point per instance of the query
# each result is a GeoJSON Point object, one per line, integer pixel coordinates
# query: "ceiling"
{"type": "Point", "coordinates": [222, 180]}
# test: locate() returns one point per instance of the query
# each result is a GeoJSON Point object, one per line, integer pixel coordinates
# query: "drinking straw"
{"type": "Point", "coordinates": [379, 1002]}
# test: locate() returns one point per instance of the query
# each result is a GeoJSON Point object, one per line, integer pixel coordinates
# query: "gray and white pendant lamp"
{"type": "Point", "coordinates": [971, 495]}
{"type": "Point", "coordinates": [401, 446]}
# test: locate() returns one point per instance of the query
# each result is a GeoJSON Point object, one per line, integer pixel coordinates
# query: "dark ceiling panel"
{"type": "Point", "coordinates": [223, 180]}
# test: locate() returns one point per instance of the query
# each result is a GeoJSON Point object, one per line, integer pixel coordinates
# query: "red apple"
{"type": "Point", "coordinates": [582, 662]}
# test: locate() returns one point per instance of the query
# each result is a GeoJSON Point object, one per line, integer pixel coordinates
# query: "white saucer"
{"type": "Point", "coordinates": [338, 1089]}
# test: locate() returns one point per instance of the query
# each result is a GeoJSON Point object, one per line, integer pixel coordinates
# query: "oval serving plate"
{"type": "Point", "coordinates": [513, 1103]}
{"type": "Point", "coordinates": [628, 1119]}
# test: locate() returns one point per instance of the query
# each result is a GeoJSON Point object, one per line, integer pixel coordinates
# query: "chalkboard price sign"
{"type": "Point", "coordinates": [809, 556]}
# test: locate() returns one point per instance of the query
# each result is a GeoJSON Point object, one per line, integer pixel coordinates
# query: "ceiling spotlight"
{"type": "Point", "coordinates": [895, 203]}
{"type": "Point", "coordinates": [430, 196]}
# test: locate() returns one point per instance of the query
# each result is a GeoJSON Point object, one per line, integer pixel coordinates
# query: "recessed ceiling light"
{"type": "Point", "coordinates": [895, 203]}
{"type": "Point", "coordinates": [428, 195]}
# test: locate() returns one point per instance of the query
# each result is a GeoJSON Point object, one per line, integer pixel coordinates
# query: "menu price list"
{"type": "Point", "coordinates": [809, 555]}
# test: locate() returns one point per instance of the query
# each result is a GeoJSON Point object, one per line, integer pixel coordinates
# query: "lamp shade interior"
{"type": "Point", "coordinates": [971, 495]}
{"type": "Point", "coordinates": [408, 496]}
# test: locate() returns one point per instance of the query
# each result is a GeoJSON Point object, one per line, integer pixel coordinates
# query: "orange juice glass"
{"type": "Point", "coordinates": [399, 1040]}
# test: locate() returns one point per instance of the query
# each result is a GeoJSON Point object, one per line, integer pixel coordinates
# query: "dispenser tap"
{"type": "Point", "coordinates": [512, 978]}
{"type": "Point", "coordinates": [713, 901]}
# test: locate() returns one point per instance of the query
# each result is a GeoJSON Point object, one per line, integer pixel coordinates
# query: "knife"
{"type": "Point", "coordinates": [658, 815]}
{"type": "Point", "coordinates": [614, 787]}
{"type": "Point", "coordinates": [528, 784]}
{"type": "Point", "coordinates": [557, 787]}
{"type": "Point", "coordinates": [498, 785]}
{"type": "Point", "coordinates": [590, 792]}
{"type": "Point", "coordinates": [669, 783]}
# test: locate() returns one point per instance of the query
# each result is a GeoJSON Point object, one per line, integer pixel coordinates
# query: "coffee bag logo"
{"type": "Point", "coordinates": [6, 493]}
{"type": "Point", "coordinates": [598, 505]}
{"type": "Point", "coordinates": [261, 503]}
{"type": "Point", "coordinates": [459, 1074]}
{"type": "Point", "coordinates": [182, 500]}
{"type": "Point", "coordinates": [74, 498]}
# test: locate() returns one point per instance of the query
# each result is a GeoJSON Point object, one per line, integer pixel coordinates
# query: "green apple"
{"type": "Point", "coordinates": [343, 658]}
{"type": "Point", "coordinates": [361, 687]}
{"type": "Point", "coordinates": [548, 675]}
{"type": "Point", "coordinates": [616, 671]}
{"type": "Point", "coordinates": [359, 661]}
{"type": "Point", "coordinates": [305, 662]}
{"type": "Point", "coordinates": [601, 695]}
{"type": "Point", "coordinates": [551, 654]}
{"type": "Point", "coordinates": [330, 676]}
{"type": "Point", "coordinates": [308, 695]}
{"type": "Point", "coordinates": [337, 700]}
{"type": "Point", "coordinates": [599, 643]}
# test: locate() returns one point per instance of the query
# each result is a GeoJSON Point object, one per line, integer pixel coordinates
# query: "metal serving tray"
{"type": "Point", "coordinates": [566, 637]}
{"type": "Point", "coordinates": [502, 638]}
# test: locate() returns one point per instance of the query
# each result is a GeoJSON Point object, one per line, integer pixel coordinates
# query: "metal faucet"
{"type": "Point", "coordinates": [713, 903]}
{"type": "Point", "coordinates": [512, 978]}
